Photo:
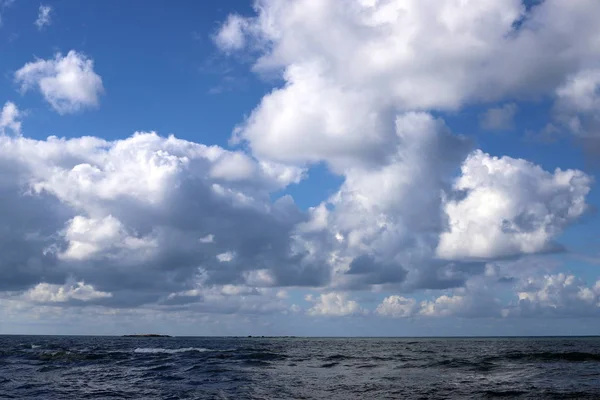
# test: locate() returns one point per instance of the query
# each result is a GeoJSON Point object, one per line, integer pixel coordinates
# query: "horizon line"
{"type": "Point", "coordinates": [167, 336]}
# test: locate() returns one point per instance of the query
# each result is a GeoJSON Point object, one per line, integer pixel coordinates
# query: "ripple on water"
{"type": "Point", "coordinates": [88, 367]}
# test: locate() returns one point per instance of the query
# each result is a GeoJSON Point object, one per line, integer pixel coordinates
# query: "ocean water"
{"type": "Point", "coordinates": [78, 367]}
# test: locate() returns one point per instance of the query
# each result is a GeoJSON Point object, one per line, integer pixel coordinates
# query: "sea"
{"type": "Point", "coordinates": [88, 367]}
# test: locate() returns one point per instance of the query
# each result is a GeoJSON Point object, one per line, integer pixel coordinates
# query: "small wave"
{"type": "Point", "coordinates": [404, 357]}
{"type": "Point", "coordinates": [68, 355]}
{"type": "Point", "coordinates": [223, 356]}
{"type": "Point", "coordinates": [257, 363]}
{"type": "Point", "coordinates": [425, 351]}
{"type": "Point", "coordinates": [161, 368]}
{"type": "Point", "coordinates": [35, 346]}
{"type": "Point", "coordinates": [263, 355]}
{"type": "Point", "coordinates": [204, 369]}
{"type": "Point", "coordinates": [56, 355]}
{"type": "Point", "coordinates": [573, 356]}
{"type": "Point", "coordinates": [158, 350]}
{"type": "Point", "coordinates": [329, 365]}
{"type": "Point", "coordinates": [480, 366]}
{"type": "Point", "coordinates": [170, 378]}
{"type": "Point", "coordinates": [366, 366]}
{"type": "Point", "coordinates": [377, 358]}
{"type": "Point", "coordinates": [338, 357]}
{"type": "Point", "coordinates": [48, 368]}
{"type": "Point", "coordinates": [504, 393]}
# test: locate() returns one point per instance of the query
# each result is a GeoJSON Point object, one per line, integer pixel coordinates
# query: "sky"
{"type": "Point", "coordinates": [300, 167]}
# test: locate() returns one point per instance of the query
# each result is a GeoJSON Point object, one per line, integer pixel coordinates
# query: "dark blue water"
{"type": "Point", "coordinates": [54, 367]}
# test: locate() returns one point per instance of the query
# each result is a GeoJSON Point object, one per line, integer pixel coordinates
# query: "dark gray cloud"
{"type": "Point", "coordinates": [368, 271]}
{"type": "Point", "coordinates": [28, 226]}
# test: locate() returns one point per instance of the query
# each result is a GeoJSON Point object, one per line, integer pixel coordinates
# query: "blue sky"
{"type": "Point", "coordinates": [169, 46]}
{"type": "Point", "coordinates": [366, 170]}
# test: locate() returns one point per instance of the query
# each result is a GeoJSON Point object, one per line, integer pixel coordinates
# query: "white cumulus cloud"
{"type": "Point", "coordinates": [509, 207]}
{"type": "Point", "coordinates": [51, 293]}
{"type": "Point", "coordinates": [348, 65]}
{"type": "Point", "coordinates": [556, 295]}
{"type": "Point", "coordinates": [360, 80]}
{"type": "Point", "coordinates": [68, 83]}
{"type": "Point", "coordinates": [88, 237]}
{"type": "Point", "coordinates": [127, 216]}
{"type": "Point", "coordinates": [334, 304]}
{"type": "Point", "coordinates": [397, 306]}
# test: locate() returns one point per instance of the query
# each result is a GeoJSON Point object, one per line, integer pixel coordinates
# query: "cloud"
{"type": "Point", "coordinates": [397, 306]}
{"type": "Point", "coordinates": [510, 207]}
{"type": "Point", "coordinates": [578, 102]}
{"type": "Point", "coordinates": [342, 89]}
{"type": "Point", "coordinates": [228, 299]}
{"type": "Point", "coordinates": [10, 119]}
{"type": "Point", "coordinates": [131, 217]}
{"type": "Point", "coordinates": [577, 108]}
{"type": "Point", "coordinates": [44, 18]}
{"type": "Point", "coordinates": [226, 257]}
{"type": "Point", "coordinates": [475, 299]}
{"type": "Point", "coordinates": [87, 237]}
{"type": "Point", "coordinates": [176, 226]}
{"type": "Point", "coordinates": [443, 306]}
{"type": "Point", "coordinates": [69, 84]}
{"type": "Point", "coordinates": [499, 118]}
{"type": "Point", "coordinates": [556, 295]}
{"type": "Point", "coordinates": [534, 292]}
{"type": "Point", "coordinates": [359, 84]}
{"type": "Point", "coordinates": [383, 224]}
{"type": "Point", "coordinates": [207, 239]}
{"type": "Point", "coordinates": [334, 304]}
{"type": "Point", "coordinates": [47, 293]}
{"type": "Point", "coordinates": [479, 296]}
{"type": "Point", "coordinates": [405, 225]}
{"type": "Point", "coordinates": [231, 35]}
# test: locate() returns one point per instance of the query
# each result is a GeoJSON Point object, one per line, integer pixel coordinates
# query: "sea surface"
{"type": "Point", "coordinates": [87, 367]}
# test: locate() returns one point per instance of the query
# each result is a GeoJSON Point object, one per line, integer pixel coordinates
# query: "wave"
{"type": "Point", "coordinates": [338, 357]}
{"type": "Point", "coordinates": [158, 350]}
{"type": "Point", "coordinates": [573, 356]}
{"type": "Point", "coordinates": [504, 393]}
{"type": "Point", "coordinates": [366, 366]}
{"type": "Point", "coordinates": [164, 367]}
{"type": "Point", "coordinates": [203, 368]}
{"type": "Point", "coordinates": [378, 358]}
{"type": "Point", "coordinates": [329, 365]}
{"type": "Point", "coordinates": [67, 355]}
{"type": "Point", "coordinates": [257, 363]}
{"type": "Point", "coordinates": [480, 366]}
{"type": "Point", "coordinates": [489, 363]}
{"type": "Point", "coordinates": [262, 355]}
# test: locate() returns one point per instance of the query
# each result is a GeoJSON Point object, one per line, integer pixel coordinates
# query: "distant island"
{"type": "Point", "coordinates": [146, 335]}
